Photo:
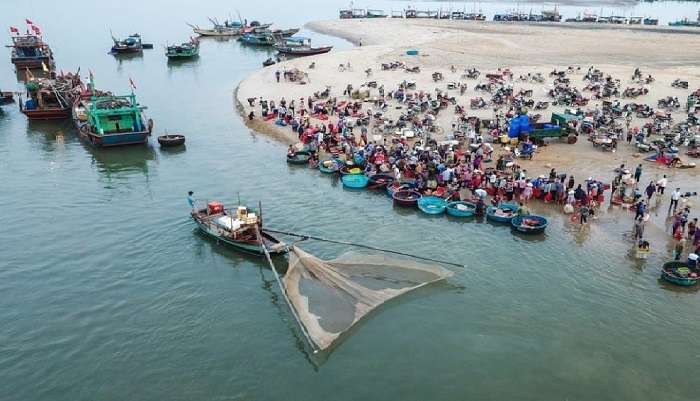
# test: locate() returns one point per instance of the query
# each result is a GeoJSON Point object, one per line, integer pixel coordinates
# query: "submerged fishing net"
{"type": "Point", "coordinates": [330, 296]}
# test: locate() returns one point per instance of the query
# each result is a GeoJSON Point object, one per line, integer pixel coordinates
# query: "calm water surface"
{"type": "Point", "coordinates": [107, 291]}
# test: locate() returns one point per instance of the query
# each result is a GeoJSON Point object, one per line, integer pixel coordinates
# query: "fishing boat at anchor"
{"type": "Point", "coordinates": [298, 46]}
{"type": "Point", "coordinates": [50, 99]}
{"type": "Point", "coordinates": [255, 39]}
{"type": "Point", "coordinates": [106, 120]}
{"type": "Point", "coordinates": [185, 50]}
{"type": "Point", "coordinates": [132, 44]}
{"type": "Point", "coordinates": [30, 50]}
{"type": "Point", "coordinates": [529, 224]}
{"type": "Point", "coordinates": [242, 229]}
{"type": "Point", "coordinates": [504, 213]}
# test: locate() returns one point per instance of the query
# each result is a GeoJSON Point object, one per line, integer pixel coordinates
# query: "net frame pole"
{"type": "Point", "coordinates": [284, 293]}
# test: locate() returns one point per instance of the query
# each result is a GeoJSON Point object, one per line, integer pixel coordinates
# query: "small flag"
{"type": "Point", "coordinates": [29, 22]}
{"type": "Point", "coordinates": [132, 84]}
{"type": "Point", "coordinates": [36, 30]}
{"type": "Point", "coordinates": [44, 67]}
{"type": "Point", "coordinates": [14, 30]}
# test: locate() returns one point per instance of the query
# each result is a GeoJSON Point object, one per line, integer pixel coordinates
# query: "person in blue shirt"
{"type": "Point", "coordinates": [190, 199]}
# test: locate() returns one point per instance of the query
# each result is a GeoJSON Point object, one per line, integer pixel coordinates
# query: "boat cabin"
{"type": "Point", "coordinates": [635, 20]}
{"type": "Point", "coordinates": [616, 19]}
{"type": "Point", "coordinates": [345, 14]}
{"type": "Point", "coordinates": [376, 14]}
{"type": "Point", "coordinates": [457, 15]}
{"type": "Point", "coordinates": [359, 13]}
{"type": "Point", "coordinates": [115, 114]}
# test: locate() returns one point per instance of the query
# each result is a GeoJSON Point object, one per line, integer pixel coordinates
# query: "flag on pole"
{"type": "Point", "coordinates": [132, 84]}
{"type": "Point", "coordinates": [36, 30]}
{"type": "Point", "coordinates": [29, 22]}
{"type": "Point", "coordinates": [92, 83]}
{"type": "Point", "coordinates": [14, 30]}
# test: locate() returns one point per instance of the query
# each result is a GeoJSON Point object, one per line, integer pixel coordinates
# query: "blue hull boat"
{"type": "Point", "coordinates": [355, 181]}
{"type": "Point", "coordinates": [529, 224]}
{"type": "Point", "coordinates": [502, 214]}
{"type": "Point", "coordinates": [432, 205]}
{"type": "Point", "coordinates": [461, 209]}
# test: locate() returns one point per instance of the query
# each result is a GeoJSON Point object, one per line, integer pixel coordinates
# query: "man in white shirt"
{"type": "Point", "coordinates": [675, 197]}
{"type": "Point", "coordinates": [661, 185]}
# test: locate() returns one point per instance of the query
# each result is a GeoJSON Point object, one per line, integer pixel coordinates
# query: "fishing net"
{"type": "Point", "coordinates": [330, 296]}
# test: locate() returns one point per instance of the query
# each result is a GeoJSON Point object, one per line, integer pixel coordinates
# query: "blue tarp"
{"type": "Point", "coordinates": [519, 125]}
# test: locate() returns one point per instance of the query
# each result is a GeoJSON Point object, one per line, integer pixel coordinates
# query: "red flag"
{"type": "Point", "coordinates": [29, 22]}
{"type": "Point", "coordinates": [36, 30]}
{"type": "Point", "coordinates": [132, 84]}
{"type": "Point", "coordinates": [14, 30]}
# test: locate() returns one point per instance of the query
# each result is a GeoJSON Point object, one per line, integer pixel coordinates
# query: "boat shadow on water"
{"type": "Point", "coordinates": [173, 150]}
{"type": "Point", "coordinates": [694, 289]}
{"type": "Point", "coordinates": [122, 160]}
{"type": "Point", "coordinates": [183, 63]}
{"type": "Point", "coordinates": [49, 133]}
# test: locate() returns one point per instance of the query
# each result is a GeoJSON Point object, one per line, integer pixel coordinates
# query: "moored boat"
{"type": "Point", "coordinates": [30, 50]}
{"type": "Point", "coordinates": [329, 166]}
{"type": "Point", "coordinates": [6, 97]}
{"type": "Point", "coordinates": [131, 44]}
{"type": "Point", "coordinates": [406, 197]}
{"type": "Point", "coordinates": [504, 213]}
{"type": "Point", "coordinates": [255, 39]}
{"type": "Point", "coordinates": [432, 205]}
{"type": "Point", "coordinates": [461, 209]}
{"type": "Point", "coordinates": [171, 140]}
{"type": "Point", "coordinates": [529, 224]}
{"type": "Point", "coordinates": [240, 228]}
{"type": "Point", "coordinates": [300, 157]}
{"type": "Point", "coordinates": [380, 180]}
{"type": "Point", "coordinates": [108, 120]}
{"type": "Point", "coordinates": [50, 99]}
{"type": "Point", "coordinates": [680, 273]}
{"type": "Point", "coordinates": [355, 181]}
{"type": "Point", "coordinates": [185, 50]}
{"type": "Point", "coordinates": [300, 47]}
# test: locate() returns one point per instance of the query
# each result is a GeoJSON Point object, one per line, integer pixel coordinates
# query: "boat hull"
{"type": "Point", "coordinates": [406, 198]}
{"type": "Point", "coordinates": [304, 52]}
{"type": "Point", "coordinates": [47, 114]}
{"type": "Point", "coordinates": [491, 214]}
{"type": "Point", "coordinates": [668, 275]}
{"type": "Point", "coordinates": [453, 211]}
{"type": "Point", "coordinates": [252, 248]}
{"type": "Point", "coordinates": [517, 224]}
{"type": "Point", "coordinates": [32, 62]}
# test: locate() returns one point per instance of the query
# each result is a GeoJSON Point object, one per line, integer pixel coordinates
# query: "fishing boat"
{"type": "Point", "coordinates": [432, 205]}
{"type": "Point", "coordinates": [529, 224]}
{"type": "Point", "coordinates": [651, 21]}
{"type": "Point", "coordinates": [240, 228]}
{"type": "Point", "coordinates": [108, 120]}
{"type": "Point", "coordinates": [30, 51]}
{"type": "Point", "coordinates": [6, 97]}
{"type": "Point", "coordinates": [398, 186]}
{"type": "Point", "coordinates": [380, 181]}
{"type": "Point", "coordinates": [504, 213]}
{"type": "Point", "coordinates": [475, 17]}
{"type": "Point", "coordinates": [355, 181]}
{"type": "Point", "coordinates": [298, 46]}
{"type": "Point", "coordinates": [329, 166]}
{"type": "Point", "coordinates": [171, 140]}
{"type": "Point", "coordinates": [257, 39]}
{"type": "Point", "coordinates": [376, 14]}
{"type": "Point", "coordinates": [461, 209]}
{"type": "Point", "coordinates": [185, 50]}
{"type": "Point", "coordinates": [406, 197]}
{"type": "Point", "coordinates": [679, 273]}
{"type": "Point", "coordinates": [228, 28]}
{"type": "Point", "coordinates": [284, 33]}
{"type": "Point", "coordinates": [50, 99]}
{"type": "Point", "coordinates": [132, 44]}
{"type": "Point", "coordinates": [300, 157]}
{"type": "Point", "coordinates": [346, 14]}
{"type": "Point", "coordinates": [350, 170]}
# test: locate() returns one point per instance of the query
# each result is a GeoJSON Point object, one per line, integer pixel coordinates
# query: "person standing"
{"type": "Point", "coordinates": [641, 209]}
{"type": "Point", "coordinates": [675, 197]}
{"type": "Point", "coordinates": [661, 185]}
{"type": "Point", "coordinates": [638, 228]}
{"type": "Point", "coordinates": [192, 202]}
{"type": "Point", "coordinates": [638, 173]}
{"type": "Point", "coordinates": [692, 227]}
{"type": "Point", "coordinates": [277, 75]}
{"type": "Point", "coordinates": [584, 212]}
{"type": "Point", "coordinates": [651, 188]}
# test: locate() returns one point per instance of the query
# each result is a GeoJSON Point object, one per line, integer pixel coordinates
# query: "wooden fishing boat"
{"type": "Point", "coordinates": [329, 166]}
{"type": "Point", "coordinates": [355, 181]}
{"type": "Point", "coordinates": [300, 46]}
{"type": "Point", "coordinates": [30, 51]}
{"type": "Point", "coordinates": [300, 157]}
{"type": "Point", "coordinates": [406, 197]}
{"type": "Point", "coordinates": [504, 213]}
{"type": "Point", "coordinates": [240, 228]}
{"type": "Point", "coordinates": [171, 140]}
{"type": "Point", "coordinates": [50, 99]}
{"type": "Point", "coordinates": [679, 273]}
{"type": "Point", "coordinates": [398, 186]}
{"type": "Point", "coordinates": [285, 33]}
{"type": "Point", "coordinates": [380, 180]}
{"type": "Point", "coordinates": [185, 50]}
{"type": "Point", "coordinates": [529, 224]}
{"type": "Point", "coordinates": [461, 209]}
{"type": "Point", "coordinates": [107, 121]}
{"type": "Point", "coordinates": [132, 44]}
{"type": "Point", "coordinates": [6, 97]}
{"type": "Point", "coordinates": [432, 205]}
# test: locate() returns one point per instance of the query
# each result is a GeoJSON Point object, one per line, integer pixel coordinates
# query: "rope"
{"type": "Point", "coordinates": [363, 246]}
{"type": "Point", "coordinates": [284, 291]}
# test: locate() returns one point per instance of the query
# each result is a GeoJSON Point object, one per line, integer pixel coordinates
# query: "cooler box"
{"type": "Point", "coordinates": [215, 207]}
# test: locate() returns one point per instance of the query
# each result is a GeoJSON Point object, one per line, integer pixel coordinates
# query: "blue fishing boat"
{"type": "Point", "coordinates": [679, 273]}
{"type": "Point", "coordinates": [529, 224]}
{"type": "Point", "coordinates": [432, 205]}
{"type": "Point", "coordinates": [262, 39]}
{"type": "Point", "coordinates": [461, 209]}
{"type": "Point", "coordinates": [355, 181]}
{"type": "Point", "coordinates": [504, 213]}
{"type": "Point", "coordinates": [109, 120]}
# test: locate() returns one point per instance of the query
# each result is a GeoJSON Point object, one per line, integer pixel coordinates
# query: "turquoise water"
{"type": "Point", "coordinates": [109, 292]}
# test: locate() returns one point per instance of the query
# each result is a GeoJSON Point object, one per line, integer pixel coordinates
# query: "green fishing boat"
{"type": "Point", "coordinates": [185, 50]}
{"type": "Point", "coordinates": [106, 120]}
